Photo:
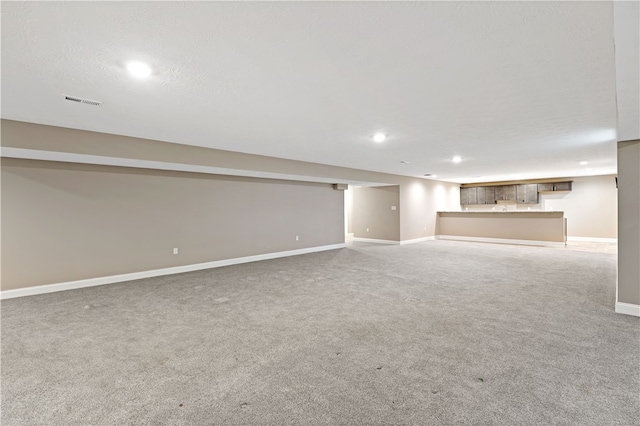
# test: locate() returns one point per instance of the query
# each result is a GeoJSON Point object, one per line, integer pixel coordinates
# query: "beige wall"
{"type": "Point", "coordinates": [348, 210]}
{"type": "Point", "coordinates": [373, 216]}
{"type": "Point", "coordinates": [419, 198]}
{"type": "Point", "coordinates": [629, 222]}
{"type": "Point", "coordinates": [591, 207]}
{"type": "Point", "coordinates": [64, 222]}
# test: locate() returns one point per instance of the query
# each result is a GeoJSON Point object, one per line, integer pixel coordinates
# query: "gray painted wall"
{"type": "Point", "coordinates": [63, 222]}
{"type": "Point", "coordinates": [629, 222]}
{"type": "Point", "coordinates": [372, 210]}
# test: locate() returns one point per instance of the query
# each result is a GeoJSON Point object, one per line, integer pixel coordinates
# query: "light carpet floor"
{"type": "Point", "coordinates": [435, 333]}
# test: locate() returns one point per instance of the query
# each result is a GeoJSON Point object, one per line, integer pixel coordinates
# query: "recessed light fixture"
{"type": "Point", "coordinates": [584, 163]}
{"type": "Point", "coordinates": [379, 137]}
{"type": "Point", "coordinates": [138, 69]}
{"type": "Point", "coordinates": [456, 159]}
{"type": "Point", "coordinates": [404, 162]}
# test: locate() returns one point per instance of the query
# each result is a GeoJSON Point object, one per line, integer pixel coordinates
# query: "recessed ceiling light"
{"type": "Point", "coordinates": [430, 175]}
{"type": "Point", "coordinates": [404, 162]}
{"type": "Point", "coordinates": [379, 137]}
{"type": "Point", "coordinates": [584, 163]}
{"type": "Point", "coordinates": [456, 159]}
{"type": "Point", "coordinates": [138, 69]}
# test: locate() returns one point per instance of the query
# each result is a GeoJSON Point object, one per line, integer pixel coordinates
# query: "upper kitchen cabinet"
{"type": "Point", "coordinates": [505, 193]}
{"type": "Point", "coordinates": [527, 193]}
{"type": "Point", "coordinates": [562, 186]}
{"type": "Point", "coordinates": [468, 196]}
{"type": "Point", "coordinates": [486, 195]}
{"type": "Point", "coordinates": [556, 186]}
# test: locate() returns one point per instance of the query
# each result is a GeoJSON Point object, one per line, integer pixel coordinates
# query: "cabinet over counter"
{"type": "Point", "coordinates": [526, 193]}
{"type": "Point", "coordinates": [519, 227]}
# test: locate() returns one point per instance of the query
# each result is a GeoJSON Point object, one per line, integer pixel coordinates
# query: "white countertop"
{"type": "Point", "coordinates": [503, 212]}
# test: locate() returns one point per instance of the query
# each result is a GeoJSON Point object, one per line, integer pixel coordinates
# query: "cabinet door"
{"type": "Point", "coordinates": [505, 192]}
{"type": "Point", "coordinates": [464, 196]}
{"type": "Point", "coordinates": [486, 195]}
{"type": "Point", "coordinates": [472, 195]}
{"type": "Point", "coordinates": [480, 195]}
{"type": "Point", "coordinates": [527, 194]}
{"type": "Point", "coordinates": [562, 186]}
{"type": "Point", "coordinates": [468, 196]}
{"type": "Point", "coordinates": [545, 187]}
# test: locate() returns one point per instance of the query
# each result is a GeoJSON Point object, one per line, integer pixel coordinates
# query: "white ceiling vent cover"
{"type": "Point", "coordinates": [82, 100]}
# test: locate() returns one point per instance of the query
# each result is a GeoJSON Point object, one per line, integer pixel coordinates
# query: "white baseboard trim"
{"type": "Point", "coordinates": [417, 240]}
{"type": "Point", "coordinates": [373, 240]}
{"type": "Point", "coordinates": [628, 309]}
{"type": "Point", "coordinates": [500, 241]}
{"type": "Point", "coordinates": [592, 239]}
{"type": "Point", "coordinates": [92, 282]}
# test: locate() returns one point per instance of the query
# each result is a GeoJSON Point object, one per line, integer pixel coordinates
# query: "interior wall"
{"type": "Point", "coordinates": [591, 207]}
{"type": "Point", "coordinates": [629, 222]}
{"type": "Point", "coordinates": [64, 222]}
{"type": "Point", "coordinates": [348, 210]}
{"type": "Point", "coordinates": [421, 200]}
{"type": "Point", "coordinates": [376, 212]}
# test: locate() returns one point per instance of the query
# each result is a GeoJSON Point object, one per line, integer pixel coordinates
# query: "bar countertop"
{"type": "Point", "coordinates": [517, 212]}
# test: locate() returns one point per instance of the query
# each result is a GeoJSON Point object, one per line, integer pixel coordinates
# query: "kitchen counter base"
{"type": "Point", "coordinates": [522, 227]}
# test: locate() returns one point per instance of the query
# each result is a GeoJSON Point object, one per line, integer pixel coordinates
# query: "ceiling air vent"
{"type": "Point", "coordinates": [82, 100]}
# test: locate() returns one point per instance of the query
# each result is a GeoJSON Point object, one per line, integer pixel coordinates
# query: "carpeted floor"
{"type": "Point", "coordinates": [435, 333]}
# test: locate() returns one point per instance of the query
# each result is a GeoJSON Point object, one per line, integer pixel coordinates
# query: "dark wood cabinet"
{"type": "Point", "coordinates": [522, 194]}
{"type": "Point", "coordinates": [562, 186]}
{"type": "Point", "coordinates": [555, 186]}
{"type": "Point", "coordinates": [486, 195]}
{"type": "Point", "coordinates": [527, 193]}
{"type": "Point", "coordinates": [505, 193]}
{"type": "Point", "coordinates": [468, 196]}
{"type": "Point", "coordinates": [545, 187]}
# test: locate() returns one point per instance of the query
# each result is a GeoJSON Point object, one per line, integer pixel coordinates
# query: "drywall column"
{"type": "Point", "coordinates": [628, 228]}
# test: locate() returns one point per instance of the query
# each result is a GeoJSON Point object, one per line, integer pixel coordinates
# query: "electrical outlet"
{"type": "Point", "coordinates": [367, 229]}
{"type": "Point", "coordinates": [175, 250]}
{"type": "Point", "coordinates": [297, 238]}
{"type": "Point", "coordinates": [393, 207]}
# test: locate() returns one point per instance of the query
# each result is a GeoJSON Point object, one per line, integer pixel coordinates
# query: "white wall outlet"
{"type": "Point", "coordinates": [175, 250]}
{"type": "Point", "coordinates": [297, 238]}
{"type": "Point", "coordinates": [393, 207]}
{"type": "Point", "coordinates": [425, 229]}
{"type": "Point", "coordinates": [367, 229]}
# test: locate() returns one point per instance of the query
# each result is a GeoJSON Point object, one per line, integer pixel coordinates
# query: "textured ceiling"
{"type": "Point", "coordinates": [517, 89]}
